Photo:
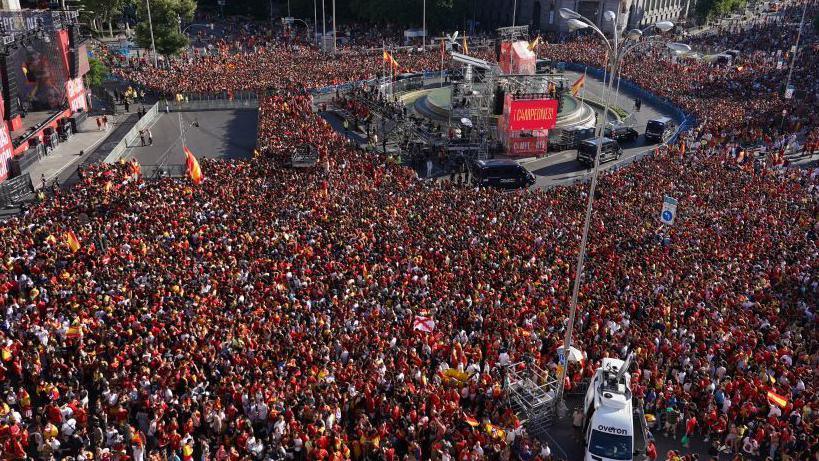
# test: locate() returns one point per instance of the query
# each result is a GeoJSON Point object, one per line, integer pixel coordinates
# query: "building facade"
{"type": "Point", "coordinates": [544, 16]}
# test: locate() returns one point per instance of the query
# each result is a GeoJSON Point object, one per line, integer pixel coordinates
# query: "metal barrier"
{"type": "Point", "coordinates": [164, 171]}
{"type": "Point", "coordinates": [119, 150]}
{"type": "Point", "coordinates": [213, 101]}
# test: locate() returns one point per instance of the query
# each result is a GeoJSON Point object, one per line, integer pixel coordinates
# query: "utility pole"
{"type": "Point", "coordinates": [323, 28]}
{"type": "Point", "coordinates": [514, 12]}
{"type": "Point", "coordinates": [151, 28]}
{"type": "Point", "coordinates": [795, 50]}
{"type": "Point", "coordinates": [334, 26]}
{"type": "Point", "coordinates": [315, 22]}
{"type": "Point", "coordinates": [424, 26]}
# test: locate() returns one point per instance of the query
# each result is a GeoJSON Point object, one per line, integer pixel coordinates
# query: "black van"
{"type": "Point", "coordinates": [504, 174]}
{"type": "Point", "coordinates": [659, 129]}
{"type": "Point", "coordinates": [587, 150]}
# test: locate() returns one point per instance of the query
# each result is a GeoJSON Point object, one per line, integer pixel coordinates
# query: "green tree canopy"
{"type": "Point", "coordinates": [165, 16]}
{"type": "Point", "coordinates": [97, 73]}
{"type": "Point", "coordinates": [708, 9]}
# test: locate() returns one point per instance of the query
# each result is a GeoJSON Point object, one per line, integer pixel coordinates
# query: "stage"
{"type": "Point", "coordinates": [434, 104]}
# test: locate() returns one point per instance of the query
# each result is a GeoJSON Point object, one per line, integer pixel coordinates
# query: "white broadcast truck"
{"type": "Point", "coordinates": [613, 430]}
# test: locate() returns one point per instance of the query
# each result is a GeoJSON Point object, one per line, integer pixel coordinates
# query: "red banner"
{"type": "Point", "coordinates": [532, 114]}
{"type": "Point", "coordinates": [528, 145]}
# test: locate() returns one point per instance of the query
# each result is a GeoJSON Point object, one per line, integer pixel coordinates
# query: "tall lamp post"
{"type": "Point", "coordinates": [613, 56]}
{"type": "Point", "coordinates": [151, 28]}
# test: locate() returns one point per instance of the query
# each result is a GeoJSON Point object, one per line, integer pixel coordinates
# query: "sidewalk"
{"type": "Point", "coordinates": [70, 152]}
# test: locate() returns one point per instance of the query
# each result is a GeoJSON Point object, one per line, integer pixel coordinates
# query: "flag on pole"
{"type": "Point", "coordinates": [391, 60]}
{"type": "Point", "coordinates": [534, 44]}
{"type": "Point", "coordinates": [466, 47]}
{"type": "Point", "coordinates": [425, 324]}
{"type": "Point", "coordinates": [578, 84]}
{"type": "Point", "coordinates": [777, 399]}
{"type": "Point", "coordinates": [72, 241]}
{"type": "Point", "coordinates": [194, 170]}
{"type": "Point", "coordinates": [136, 169]}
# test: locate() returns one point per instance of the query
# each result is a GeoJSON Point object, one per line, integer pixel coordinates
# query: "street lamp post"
{"type": "Point", "coordinates": [613, 57]}
{"type": "Point", "coordinates": [315, 22]}
{"type": "Point", "coordinates": [424, 26]}
{"type": "Point", "coordinates": [151, 28]}
{"type": "Point", "coordinates": [514, 12]}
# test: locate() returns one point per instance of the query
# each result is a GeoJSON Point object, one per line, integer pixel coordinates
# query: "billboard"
{"type": "Point", "coordinates": [531, 114]}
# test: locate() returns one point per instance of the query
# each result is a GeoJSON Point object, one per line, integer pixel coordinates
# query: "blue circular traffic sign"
{"type": "Point", "coordinates": [667, 216]}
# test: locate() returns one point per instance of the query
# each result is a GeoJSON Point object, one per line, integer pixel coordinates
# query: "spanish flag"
{"type": "Point", "coordinates": [578, 84]}
{"type": "Point", "coordinates": [74, 331]}
{"type": "Point", "coordinates": [388, 58]}
{"type": "Point", "coordinates": [194, 170]}
{"type": "Point", "coordinates": [466, 47]}
{"type": "Point", "coordinates": [777, 399]}
{"type": "Point", "coordinates": [471, 420]}
{"type": "Point", "coordinates": [72, 241]}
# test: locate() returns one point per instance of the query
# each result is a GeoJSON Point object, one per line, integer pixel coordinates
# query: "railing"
{"type": "Point", "coordinates": [212, 101]}
{"type": "Point", "coordinates": [163, 171]}
{"type": "Point", "coordinates": [130, 138]}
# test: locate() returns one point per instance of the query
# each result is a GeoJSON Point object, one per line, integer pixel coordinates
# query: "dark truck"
{"type": "Point", "coordinates": [587, 150]}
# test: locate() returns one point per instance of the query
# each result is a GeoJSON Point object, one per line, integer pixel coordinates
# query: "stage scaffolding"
{"type": "Point", "coordinates": [531, 395]}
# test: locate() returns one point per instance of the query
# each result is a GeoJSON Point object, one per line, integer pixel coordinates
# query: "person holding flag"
{"type": "Point", "coordinates": [194, 170]}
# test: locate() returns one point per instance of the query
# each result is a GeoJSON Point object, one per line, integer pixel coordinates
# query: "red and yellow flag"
{"type": "Point", "coordinates": [72, 241]}
{"type": "Point", "coordinates": [471, 420]}
{"type": "Point", "coordinates": [777, 399]}
{"type": "Point", "coordinates": [578, 84]}
{"type": "Point", "coordinates": [136, 169]}
{"type": "Point", "coordinates": [391, 60]}
{"type": "Point", "coordinates": [534, 44]}
{"type": "Point", "coordinates": [466, 47]}
{"type": "Point", "coordinates": [194, 170]}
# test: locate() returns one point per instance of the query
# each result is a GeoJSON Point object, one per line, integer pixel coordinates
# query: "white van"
{"type": "Point", "coordinates": [609, 419]}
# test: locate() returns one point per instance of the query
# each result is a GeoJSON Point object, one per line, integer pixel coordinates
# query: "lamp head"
{"type": "Point", "coordinates": [664, 26]}
{"type": "Point", "coordinates": [567, 13]}
{"type": "Point", "coordinates": [575, 24]}
{"type": "Point", "coordinates": [609, 16]}
{"type": "Point", "coordinates": [679, 47]}
{"type": "Point", "coordinates": [634, 34]}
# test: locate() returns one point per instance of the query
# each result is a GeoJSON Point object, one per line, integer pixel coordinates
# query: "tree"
{"type": "Point", "coordinates": [709, 9]}
{"type": "Point", "coordinates": [97, 73]}
{"type": "Point", "coordinates": [167, 17]}
{"type": "Point", "coordinates": [103, 12]}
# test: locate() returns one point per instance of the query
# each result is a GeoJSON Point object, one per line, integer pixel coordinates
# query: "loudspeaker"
{"type": "Point", "coordinates": [11, 94]}
{"type": "Point", "coordinates": [74, 54]}
{"type": "Point", "coordinates": [500, 96]}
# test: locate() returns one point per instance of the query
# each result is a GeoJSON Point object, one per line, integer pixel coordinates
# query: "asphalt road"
{"type": "Point", "coordinates": [227, 134]}
{"type": "Point", "coordinates": [562, 167]}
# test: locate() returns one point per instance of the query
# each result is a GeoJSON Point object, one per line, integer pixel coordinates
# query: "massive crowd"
{"type": "Point", "coordinates": [268, 313]}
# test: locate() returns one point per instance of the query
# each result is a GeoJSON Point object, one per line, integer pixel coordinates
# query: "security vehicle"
{"type": "Point", "coordinates": [612, 430]}
{"type": "Point", "coordinates": [503, 174]}
{"type": "Point", "coordinates": [587, 150]}
{"type": "Point", "coordinates": [659, 129]}
{"type": "Point", "coordinates": [621, 133]}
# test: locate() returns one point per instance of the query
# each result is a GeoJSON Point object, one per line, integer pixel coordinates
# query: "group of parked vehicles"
{"type": "Point", "coordinates": [509, 174]}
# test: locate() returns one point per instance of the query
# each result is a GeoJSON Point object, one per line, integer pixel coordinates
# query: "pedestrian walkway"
{"type": "Point", "coordinates": [68, 153]}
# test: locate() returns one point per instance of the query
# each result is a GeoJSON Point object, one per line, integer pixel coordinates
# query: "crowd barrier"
{"type": "Point", "coordinates": [213, 101]}
{"type": "Point", "coordinates": [119, 150]}
{"type": "Point", "coordinates": [686, 121]}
